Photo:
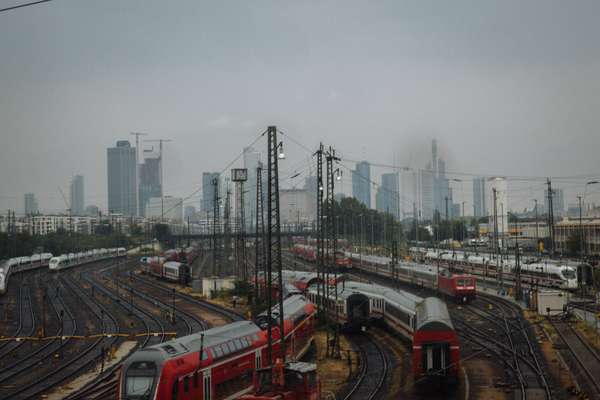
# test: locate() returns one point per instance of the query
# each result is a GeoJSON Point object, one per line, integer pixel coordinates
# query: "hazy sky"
{"type": "Point", "coordinates": [507, 87]}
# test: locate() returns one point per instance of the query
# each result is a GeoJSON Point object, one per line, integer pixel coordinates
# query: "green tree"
{"type": "Point", "coordinates": [574, 244]}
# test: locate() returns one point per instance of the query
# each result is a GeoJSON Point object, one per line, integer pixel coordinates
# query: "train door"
{"type": "Point", "coordinates": [258, 359]}
{"type": "Point", "coordinates": [435, 358]}
{"type": "Point", "coordinates": [207, 388]}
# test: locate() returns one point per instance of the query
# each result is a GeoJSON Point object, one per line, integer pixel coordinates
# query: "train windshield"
{"type": "Point", "coordinates": [140, 380]}
{"type": "Point", "coordinates": [569, 273]}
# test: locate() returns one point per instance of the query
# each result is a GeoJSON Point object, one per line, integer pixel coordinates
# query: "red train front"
{"type": "Point", "coordinates": [436, 349]}
{"type": "Point", "coordinates": [462, 288]}
{"type": "Point", "coordinates": [230, 354]}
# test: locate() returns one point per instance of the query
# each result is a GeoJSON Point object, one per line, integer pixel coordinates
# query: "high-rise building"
{"type": "Point", "coordinates": [442, 193]}
{"type": "Point", "coordinates": [311, 187]}
{"type": "Point", "coordinates": [361, 183]}
{"type": "Point", "coordinates": [387, 196]}
{"type": "Point", "coordinates": [31, 204]}
{"type": "Point", "coordinates": [410, 188]}
{"type": "Point", "coordinates": [122, 187]}
{"type": "Point", "coordinates": [170, 209]}
{"type": "Point", "coordinates": [425, 179]}
{"type": "Point", "coordinates": [208, 190]}
{"type": "Point", "coordinates": [77, 193]}
{"type": "Point", "coordinates": [92, 211]}
{"type": "Point", "coordinates": [558, 201]}
{"type": "Point", "coordinates": [479, 197]}
{"type": "Point", "coordinates": [189, 212]}
{"type": "Point", "coordinates": [149, 181]}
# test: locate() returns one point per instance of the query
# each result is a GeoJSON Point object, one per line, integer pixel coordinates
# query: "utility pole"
{"type": "Point", "coordinates": [160, 164]}
{"type": "Point", "coordinates": [137, 171]}
{"type": "Point", "coordinates": [274, 240]}
{"type": "Point", "coordinates": [550, 217]}
{"type": "Point", "coordinates": [259, 242]}
{"type": "Point", "coordinates": [498, 266]}
{"type": "Point", "coordinates": [537, 232]}
{"type": "Point", "coordinates": [227, 230]}
{"type": "Point", "coordinates": [332, 237]}
{"type": "Point", "coordinates": [216, 246]}
{"type": "Point", "coordinates": [517, 264]}
{"type": "Point", "coordinates": [579, 198]}
{"type": "Point", "coordinates": [321, 287]}
{"type": "Point", "coordinates": [239, 176]}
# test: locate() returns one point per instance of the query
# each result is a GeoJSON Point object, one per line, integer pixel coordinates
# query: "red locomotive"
{"type": "Point", "coordinates": [461, 288]}
{"type": "Point", "coordinates": [230, 354]}
{"type": "Point", "coordinates": [309, 253]}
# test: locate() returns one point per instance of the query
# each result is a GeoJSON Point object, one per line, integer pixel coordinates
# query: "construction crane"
{"type": "Point", "coordinates": [160, 163]}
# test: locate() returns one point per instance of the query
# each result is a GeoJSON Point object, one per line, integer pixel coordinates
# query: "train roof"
{"type": "Point", "coordinates": [422, 268]}
{"type": "Point", "coordinates": [398, 297]}
{"type": "Point", "coordinates": [212, 337]}
{"type": "Point", "coordinates": [433, 315]}
{"type": "Point", "coordinates": [291, 306]}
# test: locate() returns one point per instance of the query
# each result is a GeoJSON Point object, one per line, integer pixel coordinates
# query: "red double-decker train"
{"type": "Point", "coordinates": [309, 253]}
{"type": "Point", "coordinates": [217, 363]}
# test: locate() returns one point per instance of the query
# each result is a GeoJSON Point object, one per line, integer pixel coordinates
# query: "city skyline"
{"type": "Point", "coordinates": [456, 90]}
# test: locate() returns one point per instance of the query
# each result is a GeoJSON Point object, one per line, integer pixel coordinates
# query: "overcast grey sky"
{"type": "Point", "coordinates": [507, 87]}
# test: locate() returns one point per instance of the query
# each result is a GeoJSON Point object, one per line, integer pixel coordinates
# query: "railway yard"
{"type": "Point", "coordinates": [66, 334]}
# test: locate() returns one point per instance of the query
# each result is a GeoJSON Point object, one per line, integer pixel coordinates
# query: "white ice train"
{"type": "Point", "coordinates": [20, 264]}
{"type": "Point", "coordinates": [546, 273]}
{"type": "Point", "coordinates": [74, 259]}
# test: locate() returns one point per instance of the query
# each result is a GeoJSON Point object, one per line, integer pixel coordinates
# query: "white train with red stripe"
{"type": "Point", "coordinates": [462, 288]}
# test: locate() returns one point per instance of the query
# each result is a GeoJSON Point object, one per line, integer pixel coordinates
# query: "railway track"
{"type": "Point", "coordinates": [510, 341]}
{"type": "Point", "coordinates": [229, 314]}
{"type": "Point", "coordinates": [26, 325]}
{"type": "Point", "coordinates": [373, 369]}
{"type": "Point", "coordinates": [584, 361]}
{"type": "Point", "coordinates": [105, 385]}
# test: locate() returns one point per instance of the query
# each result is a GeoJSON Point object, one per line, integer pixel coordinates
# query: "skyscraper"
{"type": "Point", "coordinates": [77, 196]}
{"type": "Point", "coordinates": [387, 196]}
{"type": "Point", "coordinates": [208, 190]}
{"type": "Point", "coordinates": [149, 181]}
{"type": "Point", "coordinates": [435, 186]}
{"type": "Point", "coordinates": [122, 187]}
{"type": "Point", "coordinates": [425, 180]}
{"type": "Point", "coordinates": [361, 183]}
{"type": "Point", "coordinates": [558, 202]}
{"type": "Point", "coordinates": [31, 204]}
{"type": "Point", "coordinates": [479, 197]}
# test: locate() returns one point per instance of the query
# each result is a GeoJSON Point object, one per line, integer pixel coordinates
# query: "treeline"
{"type": "Point", "coordinates": [359, 224]}
{"type": "Point", "coordinates": [59, 242]}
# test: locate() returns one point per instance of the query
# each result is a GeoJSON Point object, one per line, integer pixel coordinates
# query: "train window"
{"type": "Point", "coordinates": [195, 379]}
{"type": "Point", "coordinates": [186, 384]}
{"type": "Point", "coordinates": [232, 347]}
{"type": "Point", "coordinates": [140, 379]}
{"type": "Point", "coordinates": [175, 390]}
{"type": "Point", "coordinates": [224, 349]}
{"type": "Point", "coordinates": [217, 351]}
{"type": "Point", "coordinates": [238, 344]}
